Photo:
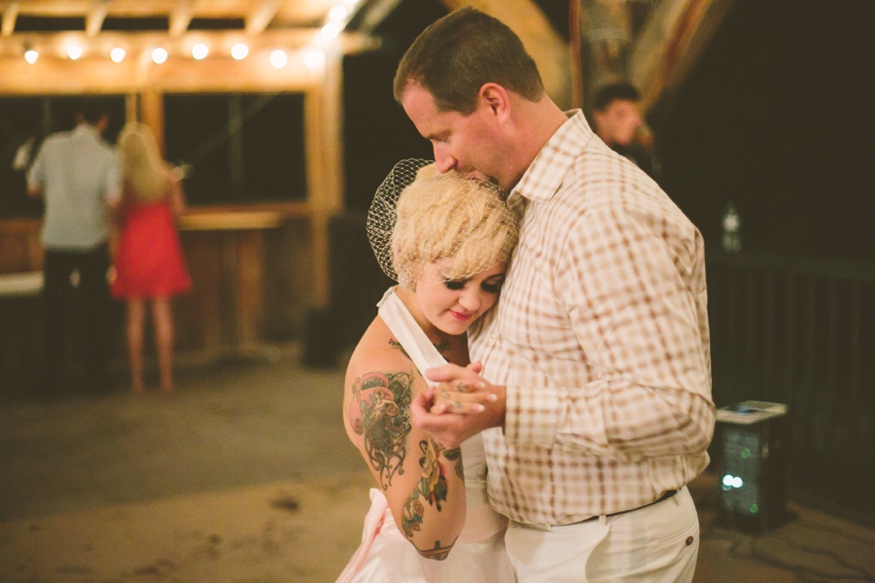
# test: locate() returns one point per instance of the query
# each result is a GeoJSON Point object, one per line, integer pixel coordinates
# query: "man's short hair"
{"type": "Point", "coordinates": [93, 109]}
{"type": "Point", "coordinates": [458, 54]}
{"type": "Point", "coordinates": [612, 92]}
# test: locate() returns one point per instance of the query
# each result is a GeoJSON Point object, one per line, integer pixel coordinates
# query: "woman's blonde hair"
{"type": "Point", "coordinates": [446, 216]}
{"type": "Point", "coordinates": [144, 174]}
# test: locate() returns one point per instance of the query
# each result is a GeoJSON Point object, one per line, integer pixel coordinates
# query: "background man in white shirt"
{"type": "Point", "coordinates": [77, 174]}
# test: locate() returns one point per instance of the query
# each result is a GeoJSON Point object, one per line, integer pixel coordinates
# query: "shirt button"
{"type": "Point", "coordinates": [689, 540]}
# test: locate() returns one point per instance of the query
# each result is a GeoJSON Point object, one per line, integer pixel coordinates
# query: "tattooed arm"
{"type": "Point", "coordinates": [422, 481]}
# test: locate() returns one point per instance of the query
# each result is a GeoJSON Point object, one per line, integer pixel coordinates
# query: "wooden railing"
{"type": "Point", "coordinates": [801, 331]}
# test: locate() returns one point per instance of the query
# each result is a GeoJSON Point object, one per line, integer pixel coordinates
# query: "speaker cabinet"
{"type": "Point", "coordinates": [753, 464]}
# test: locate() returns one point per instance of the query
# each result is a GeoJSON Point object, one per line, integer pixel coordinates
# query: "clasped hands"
{"type": "Point", "coordinates": [460, 405]}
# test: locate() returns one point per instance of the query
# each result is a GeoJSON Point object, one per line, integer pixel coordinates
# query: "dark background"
{"type": "Point", "coordinates": [777, 117]}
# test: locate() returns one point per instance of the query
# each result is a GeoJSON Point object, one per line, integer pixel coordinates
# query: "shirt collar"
{"type": "Point", "coordinates": [86, 128]}
{"type": "Point", "coordinates": [547, 171]}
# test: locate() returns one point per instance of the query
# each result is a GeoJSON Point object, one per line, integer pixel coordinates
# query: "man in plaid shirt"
{"type": "Point", "coordinates": [597, 356]}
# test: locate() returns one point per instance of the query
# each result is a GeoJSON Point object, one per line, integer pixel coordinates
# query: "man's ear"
{"type": "Point", "coordinates": [496, 98]}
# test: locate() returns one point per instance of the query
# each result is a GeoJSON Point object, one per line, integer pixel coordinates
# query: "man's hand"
{"type": "Point", "coordinates": [462, 405]}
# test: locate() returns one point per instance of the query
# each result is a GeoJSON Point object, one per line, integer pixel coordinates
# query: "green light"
{"type": "Point", "coordinates": [754, 509]}
{"type": "Point", "coordinates": [745, 453]}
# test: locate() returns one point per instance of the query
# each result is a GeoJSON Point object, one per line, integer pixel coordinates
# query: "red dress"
{"type": "Point", "coordinates": [149, 262]}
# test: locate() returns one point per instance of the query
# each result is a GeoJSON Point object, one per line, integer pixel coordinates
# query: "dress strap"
{"type": "Point", "coordinates": [408, 332]}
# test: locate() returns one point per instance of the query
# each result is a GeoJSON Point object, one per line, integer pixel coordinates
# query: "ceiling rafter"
{"type": "Point", "coordinates": [261, 15]}
{"type": "Point", "coordinates": [95, 17]}
{"type": "Point", "coordinates": [181, 17]}
{"type": "Point", "coordinates": [10, 13]}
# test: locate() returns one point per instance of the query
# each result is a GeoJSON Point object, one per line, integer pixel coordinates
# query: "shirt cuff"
{"type": "Point", "coordinates": [532, 416]}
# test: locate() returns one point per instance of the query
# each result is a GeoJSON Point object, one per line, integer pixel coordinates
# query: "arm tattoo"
{"type": "Point", "coordinates": [455, 455]}
{"type": "Point", "coordinates": [395, 344]}
{"type": "Point", "coordinates": [432, 488]}
{"type": "Point", "coordinates": [380, 413]}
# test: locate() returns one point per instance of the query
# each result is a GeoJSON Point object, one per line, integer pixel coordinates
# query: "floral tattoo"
{"type": "Point", "coordinates": [380, 413]}
{"type": "Point", "coordinates": [432, 488]}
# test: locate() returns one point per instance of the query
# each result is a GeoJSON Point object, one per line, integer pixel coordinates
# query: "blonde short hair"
{"type": "Point", "coordinates": [446, 216]}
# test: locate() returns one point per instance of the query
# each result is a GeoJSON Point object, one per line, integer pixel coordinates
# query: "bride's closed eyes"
{"type": "Point", "coordinates": [492, 286]}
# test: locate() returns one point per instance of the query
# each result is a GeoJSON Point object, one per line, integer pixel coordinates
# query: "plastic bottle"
{"type": "Point", "coordinates": [731, 229]}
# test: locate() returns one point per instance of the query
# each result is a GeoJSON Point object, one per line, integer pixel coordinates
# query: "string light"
{"type": "Point", "coordinates": [74, 52]}
{"type": "Point", "coordinates": [314, 58]}
{"type": "Point", "coordinates": [239, 51]}
{"type": "Point", "coordinates": [159, 55]}
{"type": "Point", "coordinates": [199, 51]}
{"type": "Point", "coordinates": [31, 56]}
{"type": "Point", "coordinates": [279, 58]}
{"type": "Point", "coordinates": [117, 55]}
{"type": "Point", "coordinates": [338, 13]}
{"type": "Point", "coordinates": [330, 31]}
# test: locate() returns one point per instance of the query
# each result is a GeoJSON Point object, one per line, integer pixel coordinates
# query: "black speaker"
{"type": "Point", "coordinates": [320, 339]}
{"type": "Point", "coordinates": [753, 440]}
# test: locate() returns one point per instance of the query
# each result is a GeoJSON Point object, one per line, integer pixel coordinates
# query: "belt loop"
{"type": "Point", "coordinates": [603, 519]}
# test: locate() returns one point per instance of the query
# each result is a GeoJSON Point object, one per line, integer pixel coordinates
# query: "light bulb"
{"type": "Point", "coordinates": [199, 51]}
{"type": "Point", "coordinates": [314, 58]}
{"type": "Point", "coordinates": [74, 52]}
{"type": "Point", "coordinates": [338, 13]}
{"type": "Point", "coordinates": [31, 56]}
{"type": "Point", "coordinates": [330, 31]}
{"type": "Point", "coordinates": [239, 51]}
{"type": "Point", "coordinates": [279, 58]}
{"type": "Point", "coordinates": [117, 55]}
{"type": "Point", "coordinates": [159, 55]}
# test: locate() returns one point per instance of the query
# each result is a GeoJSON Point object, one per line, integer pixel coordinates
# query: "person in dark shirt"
{"type": "Point", "coordinates": [618, 122]}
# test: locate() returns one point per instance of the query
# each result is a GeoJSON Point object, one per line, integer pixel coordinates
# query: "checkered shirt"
{"type": "Point", "coordinates": [601, 338]}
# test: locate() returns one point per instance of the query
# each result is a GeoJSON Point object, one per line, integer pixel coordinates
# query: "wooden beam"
{"type": "Point", "coordinates": [181, 17]}
{"type": "Point", "coordinates": [10, 13]}
{"type": "Point", "coordinates": [377, 12]}
{"type": "Point", "coordinates": [261, 15]}
{"type": "Point", "coordinates": [542, 42]}
{"type": "Point", "coordinates": [670, 44]}
{"type": "Point", "coordinates": [95, 17]}
{"type": "Point", "coordinates": [220, 42]}
{"type": "Point", "coordinates": [323, 111]}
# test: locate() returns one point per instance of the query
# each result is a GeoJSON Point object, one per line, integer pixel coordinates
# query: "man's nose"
{"type": "Point", "coordinates": [443, 161]}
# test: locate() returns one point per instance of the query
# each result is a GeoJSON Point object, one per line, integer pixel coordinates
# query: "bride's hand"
{"type": "Point", "coordinates": [460, 397]}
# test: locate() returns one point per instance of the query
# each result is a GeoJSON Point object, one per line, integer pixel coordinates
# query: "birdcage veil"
{"type": "Point", "coordinates": [421, 216]}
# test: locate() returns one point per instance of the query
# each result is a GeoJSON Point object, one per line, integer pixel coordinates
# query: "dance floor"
{"type": "Point", "coordinates": [244, 474]}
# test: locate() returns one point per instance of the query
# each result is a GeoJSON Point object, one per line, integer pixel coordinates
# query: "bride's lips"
{"type": "Point", "coordinates": [461, 317]}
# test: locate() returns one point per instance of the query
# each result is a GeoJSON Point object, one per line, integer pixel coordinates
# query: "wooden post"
{"type": "Point", "coordinates": [605, 35]}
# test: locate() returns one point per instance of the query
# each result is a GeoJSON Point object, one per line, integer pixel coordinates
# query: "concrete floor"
{"type": "Point", "coordinates": [244, 474]}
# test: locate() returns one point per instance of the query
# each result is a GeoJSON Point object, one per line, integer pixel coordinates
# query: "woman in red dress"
{"type": "Point", "coordinates": [149, 264]}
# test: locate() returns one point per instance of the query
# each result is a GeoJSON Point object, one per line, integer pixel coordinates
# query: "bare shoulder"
{"type": "Point", "coordinates": [381, 380]}
{"type": "Point", "coordinates": [378, 350]}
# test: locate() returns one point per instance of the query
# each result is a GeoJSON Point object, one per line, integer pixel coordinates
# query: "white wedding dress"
{"type": "Point", "coordinates": [385, 555]}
